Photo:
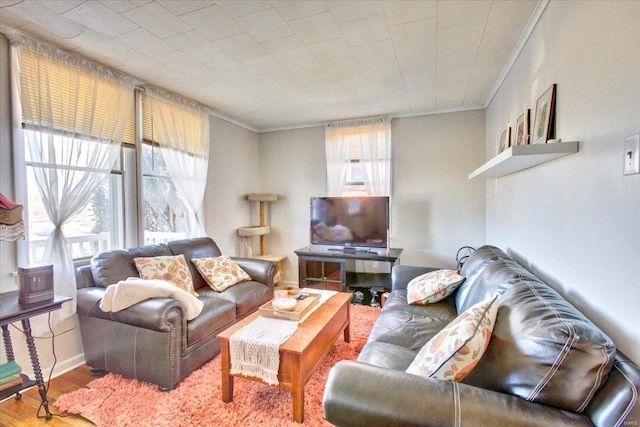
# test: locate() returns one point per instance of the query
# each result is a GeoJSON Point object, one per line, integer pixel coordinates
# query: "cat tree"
{"type": "Point", "coordinates": [261, 230]}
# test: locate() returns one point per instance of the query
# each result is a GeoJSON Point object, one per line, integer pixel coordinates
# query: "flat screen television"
{"type": "Point", "coordinates": [350, 221]}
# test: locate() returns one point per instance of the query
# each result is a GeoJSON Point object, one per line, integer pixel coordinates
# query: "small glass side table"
{"type": "Point", "coordinates": [11, 310]}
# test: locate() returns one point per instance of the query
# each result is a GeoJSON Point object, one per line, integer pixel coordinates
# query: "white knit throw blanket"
{"type": "Point", "coordinates": [254, 349]}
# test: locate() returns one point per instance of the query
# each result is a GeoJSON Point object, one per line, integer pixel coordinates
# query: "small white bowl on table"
{"type": "Point", "coordinates": [284, 304]}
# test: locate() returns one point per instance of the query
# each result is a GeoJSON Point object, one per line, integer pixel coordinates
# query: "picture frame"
{"type": "Point", "coordinates": [522, 129]}
{"type": "Point", "coordinates": [505, 140]}
{"type": "Point", "coordinates": [501, 139]}
{"type": "Point", "coordinates": [544, 117]}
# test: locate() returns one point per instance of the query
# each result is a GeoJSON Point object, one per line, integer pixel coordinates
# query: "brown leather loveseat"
{"type": "Point", "coordinates": [152, 340]}
{"type": "Point", "coordinates": [546, 364]}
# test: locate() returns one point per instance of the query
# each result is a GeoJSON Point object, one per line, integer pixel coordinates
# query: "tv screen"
{"type": "Point", "coordinates": [350, 221]}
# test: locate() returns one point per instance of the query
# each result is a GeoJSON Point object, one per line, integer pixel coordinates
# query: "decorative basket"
{"type": "Point", "coordinates": [11, 224]}
{"type": "Point", "coordinates": [10, 216]}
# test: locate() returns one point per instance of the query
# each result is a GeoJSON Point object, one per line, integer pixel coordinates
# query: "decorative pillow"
{"type": "Point", "coordinates": [433, 286]}
{"type": "Point", "coordinates": [454, 351]}
{"type": "Point", "coordinates": [220, 272]}
{"type": "Point", "coordinates": [172, 269]}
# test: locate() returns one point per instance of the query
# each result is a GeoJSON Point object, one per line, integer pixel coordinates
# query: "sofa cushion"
{"type": "Point", "coordinates": [456, 350]}
{"type": "Point", "coordinates": [433, 286]}
{"type": "Point", "coordinates": [410, 326]}
{"type": "Point", "coordinates": [495, 279]}
{"type": "Point", "coordinates": [220, 272]}
{"type": "Point", "coordinates": [172, 269]}
{"type": "Point", "coordinates": [385, 355]}
{"type": "Point", "coordinates": [216, 314]}
{"type": "Point", "coordinates": [246, 296]}
{"type": "Point", "coordinates": [544, 350]}
{"type": "Point", "coordinates": [474, 266]}
{"type": "Point", "coordinates": [113, 266]}
{"type": "Point", "coordinates": [198, 247]}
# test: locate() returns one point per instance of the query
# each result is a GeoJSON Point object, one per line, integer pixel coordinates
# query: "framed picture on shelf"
{"type": "Point", "coordinates": [545, 110]}
{"type": "Point", "coordinates": [505, 140]}
{"type": "Point", "coordinates": [522, 129]}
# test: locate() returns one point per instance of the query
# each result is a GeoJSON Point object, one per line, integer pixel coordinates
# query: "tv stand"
{"type": "Point", "coordinates": [325, 267]}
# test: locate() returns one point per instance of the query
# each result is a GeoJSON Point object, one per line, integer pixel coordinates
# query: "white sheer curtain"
{"type": "Point", "coordinates": [181, 129]}
{"type": "Point", "coordinates": [376, 159]}
{"type": "Point", "coordinates": [337, 147]}
{"type": "Point", "coordinates": [367, 141]}
{"type": "Point", "coordinates": [74, 115]}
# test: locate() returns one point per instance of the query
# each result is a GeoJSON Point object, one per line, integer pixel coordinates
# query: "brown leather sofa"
{"type": "Point", "coordinates": [152, 340]}
{"type": "Point", "coordinates": [546, 363]}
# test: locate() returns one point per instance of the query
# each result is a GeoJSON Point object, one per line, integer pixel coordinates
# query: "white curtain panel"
{"type": "Point", "coordinates": [367, 140]}
{"type": "Point", "coordinates": [376, 159]}
{"type": "Point", "coordinates": [337, 147]}
{"type": "Point", "coordinates": [183, 137]}
{"type": "Point", "coordinates": [74, 115]}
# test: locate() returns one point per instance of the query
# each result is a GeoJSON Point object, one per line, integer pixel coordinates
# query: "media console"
{"type": "Point", "coordinates": [323, 267]}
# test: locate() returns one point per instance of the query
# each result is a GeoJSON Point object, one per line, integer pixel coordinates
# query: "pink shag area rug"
{"type": "Point", "coordinates": [197, 401]}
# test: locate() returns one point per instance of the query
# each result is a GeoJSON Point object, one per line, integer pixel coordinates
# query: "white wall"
{"type": "Point", "coordinates": [233, 173]}
{"type": "Point", "coordinates": [292, 165]}
{"type": "Point", "coordinates": [435, 208]}
{"type": "Point", "coordinates": [576, 221]}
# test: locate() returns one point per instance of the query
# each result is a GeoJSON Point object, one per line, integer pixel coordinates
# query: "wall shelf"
{"type": "Point", "coordinates": [521, 157]}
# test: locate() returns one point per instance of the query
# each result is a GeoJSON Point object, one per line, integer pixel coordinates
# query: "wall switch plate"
{"type": "Point", "coordinates": [632, 154]}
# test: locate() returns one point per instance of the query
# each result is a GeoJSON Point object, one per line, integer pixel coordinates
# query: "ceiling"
{"type": "Point", "coordinates": [283, 64]}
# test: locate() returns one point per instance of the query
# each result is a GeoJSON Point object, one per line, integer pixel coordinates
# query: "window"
{"type": "Point", "coordinates": [359, 158]}
{"type": "Point", "coordinates": [354, 181]}
{"type": "Point", "coordinates": [164, 211]}
{"type": "Point", "coordinates": [74, 112]}
{"type": "Point", "coordinates": [97, 227]}
{"type": "Point", "coordinates": [74, 116]}
{"type": "Point", "coordinates": [175, 157]}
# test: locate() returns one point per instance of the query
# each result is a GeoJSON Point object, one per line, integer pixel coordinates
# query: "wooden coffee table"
{"type": "Point", "coordinates": [301, 354]}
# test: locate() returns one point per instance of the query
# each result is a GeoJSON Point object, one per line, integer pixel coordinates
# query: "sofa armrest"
{"type": "Point", "coordinates": [358, 394]}
{"type": "Point", "coordinates": [156, 314]}
{"type": "Point", "coordinates": [401, 275]}
{"type": "Point", "coordinates": [260, 270]}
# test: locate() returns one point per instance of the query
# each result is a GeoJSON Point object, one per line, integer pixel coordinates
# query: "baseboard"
{"type": "Point", "coordinates": [288, 284]}
{"type": "Point", "coordinates": [64, 366]}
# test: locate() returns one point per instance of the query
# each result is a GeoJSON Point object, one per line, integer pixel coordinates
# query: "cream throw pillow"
{"type": "Point", "coordinates": [220, 272]}
{"type": "Point", "coordinates": [433, 286]}
{"type": "Point", "coordinates": [172, 269]}
{"type": "Point", "coordinates": [454, 351]}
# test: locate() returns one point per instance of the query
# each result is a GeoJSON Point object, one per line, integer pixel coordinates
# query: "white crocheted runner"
{"type": "Point", "coordinates": [254, 348]}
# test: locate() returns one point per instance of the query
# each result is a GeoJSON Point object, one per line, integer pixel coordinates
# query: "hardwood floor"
{"type": "Point", "coordinates": [23, 412]}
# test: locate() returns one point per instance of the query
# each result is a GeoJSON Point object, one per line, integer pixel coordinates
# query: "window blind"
{"type": "Point", "coordinates": [188, 126]}
{"type": "Point", "coordinates": [80, 100]}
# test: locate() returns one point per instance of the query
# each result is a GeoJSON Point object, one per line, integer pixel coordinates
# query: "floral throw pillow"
{"type": "Point", "coordinates": [454, 351]}
{"type": "Point", "coordinates": [220, 272]}
{"type": "Point", "coordinates": [172, 269]}
{"type": "Point", "coordinates": [433, 286]}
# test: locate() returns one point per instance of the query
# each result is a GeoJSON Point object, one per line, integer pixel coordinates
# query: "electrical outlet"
{"type": "Point", "coordinates": [632, 154]}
